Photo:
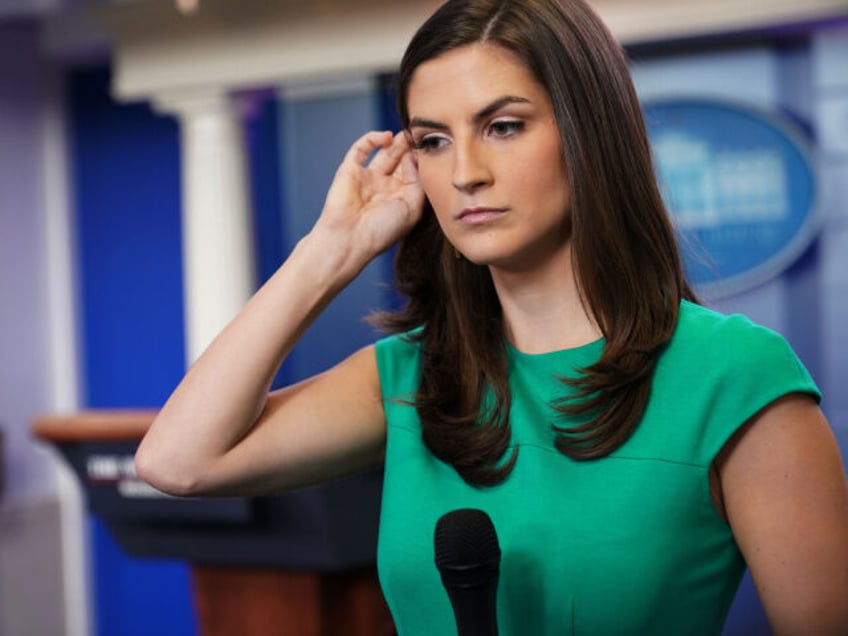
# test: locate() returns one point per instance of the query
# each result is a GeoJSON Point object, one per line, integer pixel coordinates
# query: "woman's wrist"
{"type": "Point", "coordinates": [329, 257]}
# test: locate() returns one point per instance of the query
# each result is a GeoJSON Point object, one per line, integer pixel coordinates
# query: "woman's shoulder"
{"type": "Point", "coordinates": [717, 372]}
{"type": "Point", "coordinates": [734, 353]}
{"type": "Point", "coordinates": [695, 319]}
{"type": "Point", "coordinates": [707, 332]}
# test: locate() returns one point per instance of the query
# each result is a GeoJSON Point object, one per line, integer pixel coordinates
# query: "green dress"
{"type": "Point", "coordinates": [627, 544]}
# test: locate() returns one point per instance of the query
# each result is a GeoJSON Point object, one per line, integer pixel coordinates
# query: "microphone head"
{"type": "Point", "coordinates": [467, 549]}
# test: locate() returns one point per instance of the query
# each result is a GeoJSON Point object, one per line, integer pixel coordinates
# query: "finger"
{"type": "Point", "coordinates": [365, 145]}
{"type": "Point", "coordinates": [407, 169]}
{"type": "Point", "coordinates": [387, 159]}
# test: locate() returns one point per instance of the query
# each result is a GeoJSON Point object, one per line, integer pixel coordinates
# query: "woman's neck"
{"type": "Point", "coordinates": [542, 308]}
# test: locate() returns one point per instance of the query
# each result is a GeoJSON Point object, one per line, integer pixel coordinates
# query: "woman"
{"type": "Point", "coordinates": [633, 449]}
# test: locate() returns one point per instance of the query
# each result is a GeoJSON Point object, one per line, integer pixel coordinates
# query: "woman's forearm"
{"type": "Point", "coordinates": [224, 391]}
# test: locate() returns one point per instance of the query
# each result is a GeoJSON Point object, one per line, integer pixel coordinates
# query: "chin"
{"type": "Point", "coordinates": [482, 258]}
{"type": "Point", "coordinates": [486, 252]}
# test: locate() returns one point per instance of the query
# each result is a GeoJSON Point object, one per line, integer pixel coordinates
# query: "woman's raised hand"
{"type": "Point", "coordinates": [370, 207]}
{"type": "Point", "coordinates": [219, 432]}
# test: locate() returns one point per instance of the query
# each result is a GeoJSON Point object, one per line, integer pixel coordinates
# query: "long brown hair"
{"type": "Point", "coordinates": [624, 251]}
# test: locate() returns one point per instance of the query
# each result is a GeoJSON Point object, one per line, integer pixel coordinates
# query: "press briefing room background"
{"type": "Point", "coordinates": [94, 136]}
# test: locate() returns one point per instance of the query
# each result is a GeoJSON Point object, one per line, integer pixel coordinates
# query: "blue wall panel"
{"type": "Point", "coordinates": [127, 202]}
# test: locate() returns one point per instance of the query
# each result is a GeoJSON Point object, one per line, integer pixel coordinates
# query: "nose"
{"type": "Point", "coordinates": [471, 170]}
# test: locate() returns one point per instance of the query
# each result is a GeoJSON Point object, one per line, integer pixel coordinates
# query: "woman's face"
{"type": "Point", "coordinates": [490, 158]}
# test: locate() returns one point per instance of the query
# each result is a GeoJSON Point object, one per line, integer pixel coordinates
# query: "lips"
{"type": "Point", "coordinates": [473, 216]}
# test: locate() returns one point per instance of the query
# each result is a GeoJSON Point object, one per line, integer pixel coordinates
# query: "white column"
{"type": "Point", "coordinates": [218, 255]}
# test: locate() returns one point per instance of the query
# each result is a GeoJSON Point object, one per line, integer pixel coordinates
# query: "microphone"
{"type": "Point", "coordinates": [468, 558]}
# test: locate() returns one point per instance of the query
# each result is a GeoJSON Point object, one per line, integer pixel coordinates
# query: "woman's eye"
{"type": "Point", "coordinates": [430, 143]}
{"type": "Point", "coordinates": [505, 127]}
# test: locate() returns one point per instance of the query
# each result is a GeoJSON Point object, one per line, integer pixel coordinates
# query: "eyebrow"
{"type": "Point", "coordinates": [483, 113]}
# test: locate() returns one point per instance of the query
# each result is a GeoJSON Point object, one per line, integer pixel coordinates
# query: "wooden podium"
{"type": "Point", "coordinates": [298, 564]}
